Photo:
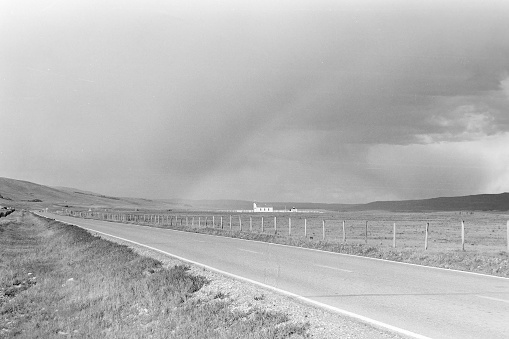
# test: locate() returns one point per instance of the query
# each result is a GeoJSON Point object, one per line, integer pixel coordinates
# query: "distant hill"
{"type": "Point", "coordinates": [24, 194]}
{"type": "Point", "coordinates": [479, 202]}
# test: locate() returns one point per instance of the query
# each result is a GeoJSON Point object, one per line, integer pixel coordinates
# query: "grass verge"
{"type": "Point", "coordinates": [60, 281]}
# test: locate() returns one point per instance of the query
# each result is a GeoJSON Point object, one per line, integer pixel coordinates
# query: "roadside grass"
{"type": "Point", "coordinates": [60, 281]}
{"type": "Point", "coordinates": [479, 262]}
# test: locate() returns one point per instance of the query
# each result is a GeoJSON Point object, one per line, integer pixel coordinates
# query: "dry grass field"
{"type": "Point", "coordinates": [484, 231]}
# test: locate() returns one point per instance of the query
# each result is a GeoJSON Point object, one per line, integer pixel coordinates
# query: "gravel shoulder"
{"type": "Point", "coordinates": [243, 295]}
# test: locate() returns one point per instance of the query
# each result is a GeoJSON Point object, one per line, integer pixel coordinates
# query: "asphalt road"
{"type": "Point", "coordinates": [425, 301]}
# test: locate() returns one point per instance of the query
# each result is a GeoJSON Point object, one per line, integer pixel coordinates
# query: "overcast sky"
{"type": "Point", "coordinates": [323, 101]}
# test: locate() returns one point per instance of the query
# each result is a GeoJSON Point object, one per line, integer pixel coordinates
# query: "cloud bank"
{"type": "Point", "coordinates": [304, 101]}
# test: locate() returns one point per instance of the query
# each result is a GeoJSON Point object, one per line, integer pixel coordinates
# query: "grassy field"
{"type": "Point", "coordinates": [485, 234]}
{"type": "Point", "coordinates": [484, 231]}
{"type": "Point", "coordinates": [60, 281]}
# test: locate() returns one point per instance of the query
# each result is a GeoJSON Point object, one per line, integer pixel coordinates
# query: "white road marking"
{"type": "Point", "coordinates": [241, 249]}
{"type": "Point", "coordinates": [334, 268]}
{"type": "Point", "coordinates": [306, 249]}
{"type": "Point", "coordinates": [290, 294]}
{"type": "Point", "coordinates": [491, 298]}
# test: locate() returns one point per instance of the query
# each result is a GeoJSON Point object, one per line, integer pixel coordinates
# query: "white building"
{"type": "Point", "coordinates": [262, 209]}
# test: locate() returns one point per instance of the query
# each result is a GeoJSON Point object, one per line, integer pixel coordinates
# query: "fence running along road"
{"type": "Point", "coordinates": [414, 300]}
{"type": "Point", "coordinates": [439, 231]}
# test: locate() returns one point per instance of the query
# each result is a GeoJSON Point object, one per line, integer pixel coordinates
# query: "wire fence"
{"type": "Point", "coordinates": [478, 231]}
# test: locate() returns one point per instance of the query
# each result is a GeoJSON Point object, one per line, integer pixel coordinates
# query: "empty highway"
{"type": "Point", "coordinates": [414, 300]}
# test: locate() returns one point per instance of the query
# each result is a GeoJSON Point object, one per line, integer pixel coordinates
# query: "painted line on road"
{"type": "Point", "coordinates": [370, 321]}
{"type": "Point", "coordinates": [333, 268]}
{"type": "Point", "coordinates": [244, 250]}
{"type": "Point", "coordinates": [491, 298]}
{"type": "Point", "coordinates": [309, 249]}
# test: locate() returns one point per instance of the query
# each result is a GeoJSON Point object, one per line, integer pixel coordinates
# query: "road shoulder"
{"type": "Point", "coordinates": [243, 295]}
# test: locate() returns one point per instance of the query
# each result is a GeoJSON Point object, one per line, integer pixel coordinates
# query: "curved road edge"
{"type": "Point", "coordinates": [303, 299]}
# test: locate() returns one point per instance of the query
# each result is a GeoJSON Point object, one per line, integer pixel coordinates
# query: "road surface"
{"type": "Point", "coordinates": [414, 300]}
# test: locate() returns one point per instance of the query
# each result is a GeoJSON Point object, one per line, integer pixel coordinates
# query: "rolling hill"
{"type": "Point", "coordinates": [24, 194]}
{"type": "Point", "coordinates": [479, 202]}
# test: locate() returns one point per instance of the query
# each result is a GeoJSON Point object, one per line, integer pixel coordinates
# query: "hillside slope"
{"type": "Point", "coordinates": [25, 194]}
{"type": "Point", "coordinates": [479, 202]}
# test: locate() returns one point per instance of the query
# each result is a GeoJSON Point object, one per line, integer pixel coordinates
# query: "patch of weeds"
{"type": "Point", "coordinates": [175, 284]}
{"type": "Point", "coordinates": [259, 297]}
{"type": "Point", "coordinates": [267, 324]}
{"type": "Point", "coordinates": [220, 296]}
{"type": "Point", "coordinates": [19, 286]}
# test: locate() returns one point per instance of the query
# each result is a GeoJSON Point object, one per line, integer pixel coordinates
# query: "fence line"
{"type": "Point", "coordinates": [331, 228]}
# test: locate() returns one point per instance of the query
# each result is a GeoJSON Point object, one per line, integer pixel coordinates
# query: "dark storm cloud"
{"type": "Point", "coordinates": [394, 85]}
{"type": "Point", "coordinates": [192, 98]}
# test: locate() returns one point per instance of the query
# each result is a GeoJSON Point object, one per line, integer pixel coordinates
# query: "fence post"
{"type": "Point", "coordinates": [240, 223]}
{"type": "Point", "coordinates": [213, 222]}
{"type": "Point", "coordinates": [394, 236]}
{"type": "Point", "coordinates": [230, 222]}
{"type": "Point", "coordinates": [366, 233]}
{"type": "Point", "coordinates": [426, 237]}
{"type": "Point", "coordinates": [187, 221]}
{"type": "Point", "coordinates": [221, 222]}
{"type": "Point", "coordinates": [275, 225]}
{"type": "Point", "coordinates": [250, 224]}
{"type": "Point", "coordinates": [199, 221]}
{"type": "Point", "coordinates": [323, 229]}
{"type": "Point", "coordinates": [305, 228]}
{"type": "Point", "coordinates": [462, 235]}
{"type": "Point", "coordinates": [507, 235]}
{"type": "Point", "coordinates": [192, 222]}
{"type": "Point", "coordinates": [262, 224]}
{"type": "Point", "coordinates": [344, 234]}
{"type": "Point", "coordinates": [289, 226]}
